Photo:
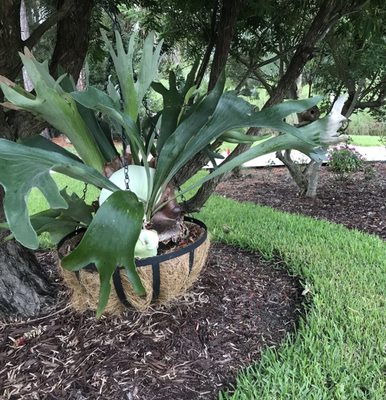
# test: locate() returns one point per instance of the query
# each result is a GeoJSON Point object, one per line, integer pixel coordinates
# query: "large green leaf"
{"type": "Point", "coordinates": [60, 222]}
{"type": "Point", "coordinates": [103, 138]}
{"type": "Point", "coordinates": [56, 107]}
{"type": "Point", "coordinates": [177, 143]}
{"type": "Point", "coordinates": [22, 168]}
{"type": "Point", "coordinates": [148, 68]}
{"type": "Point", "coordinates": [97, 100]}
{"type": "Point", "coordinates": [41, 142]}
{"type": "Point", "coordinates": [134, 92]}
{"type": "Point", "coordinates": [231, 112]}
{"type": "Point", "coordinates": [110, 242]}
{"type": "Point", "coordinates": [123, 63]}
{"type": "Point", "coordinates": [58, 228]}
{"type": "Point", "coordinates": [174, 102]}
{"type": "Point", "coordinates": [311, 145]}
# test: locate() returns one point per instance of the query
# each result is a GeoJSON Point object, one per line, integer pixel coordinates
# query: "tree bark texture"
{"type": "Point", "coordinates": [24, 287]}
{"type": "Point", "coordinates": [313, 179]}
{"type": "Point", "coordinates": [10, 38]}
{"type": "Point", "coordinates": [226, 28]}
{"type": "Point", "coordinates": [24, 30]}
{"type": "Point", "coordinates": [72, 39]}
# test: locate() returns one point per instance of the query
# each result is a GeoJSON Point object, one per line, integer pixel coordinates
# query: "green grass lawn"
{"type": "Point", "coordinates": [365, 140]}
{"type": "Point", "coordinates": [338, 351]}
{"type": "Point", "coordinates": [37, 202]}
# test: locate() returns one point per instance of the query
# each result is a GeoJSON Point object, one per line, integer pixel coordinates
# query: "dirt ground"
{"type": "Point", "coordinates": [189, 350]}
{"type": "Point", "coordinates": [358, 202]}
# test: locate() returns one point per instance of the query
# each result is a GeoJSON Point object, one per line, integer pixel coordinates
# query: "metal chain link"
{"type": "Point", "coordinates": [127, 178]}
{"type": "Point", "coordinates": [84, 191]}
{"type": "Point", "coordinates": [181, 196]}
{"type": "Point", "coordinates": [125, 164]}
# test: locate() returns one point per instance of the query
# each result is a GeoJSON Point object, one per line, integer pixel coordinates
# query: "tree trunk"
{"type": "Point", "coordinates": [72, 38]}
{"type": "Point", "coordinates": [24, 287]}
{"type": "Point", "coordinates": [24, 29]}
{"type": "Point", "coordinates": [209, 47]}
{"type": "Point", "coordinates": [226, 28]}
{"type": "Point", "coordinates": [10, 38]}
{"type": "Point", "coordinates": [294, 169]}
{"type": "Point", "coordinates": [313, 179]}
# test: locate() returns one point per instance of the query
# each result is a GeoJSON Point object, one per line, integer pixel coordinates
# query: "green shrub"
{"type": "Point", "coordinates": [345, 160]}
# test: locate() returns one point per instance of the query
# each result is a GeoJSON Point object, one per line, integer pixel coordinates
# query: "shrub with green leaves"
{"type": "Point", "coordinates": [344, 161]}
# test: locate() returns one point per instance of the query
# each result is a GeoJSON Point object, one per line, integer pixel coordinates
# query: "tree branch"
{"type": "Point", "coordinates": [210, 46]}
{"type": "Point", "coordinates": [48, 23]}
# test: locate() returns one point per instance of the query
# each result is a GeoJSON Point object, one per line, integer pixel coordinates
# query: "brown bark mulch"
{"type": "Point", "coordinates": [193, 348]}
{"type": "Point", "coordinates": [189, 350]}
{"type": "Point", "coordinates": [358, 202]}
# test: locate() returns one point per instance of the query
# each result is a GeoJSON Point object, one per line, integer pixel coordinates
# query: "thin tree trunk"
{"type": "Point", "coordinates": [24, 287]}
{"type": "Point", "coordinates": [226, 28]}
{"type": "Point", "coordinates": [209, 48]}
{"type": "Point", "coordinates": [294, 170]}
{"type": "Point", "coordinates": [313, 179]}
{"type": "Point", "coordinates": [24, 30]}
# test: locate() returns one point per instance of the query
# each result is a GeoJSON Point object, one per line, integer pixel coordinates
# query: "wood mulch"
{"type": "Point", "coordinates": [358, 202]}
{"type": "Point", "coordinates": [194, 348]}
{"type": "Point", "coordinates": [189, 350]}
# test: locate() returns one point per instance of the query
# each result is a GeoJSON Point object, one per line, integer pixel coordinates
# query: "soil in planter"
{"type": "Point", "coordinates": [191, 349]}
{"type": "Point", "coordinates": [195, 232]}
{"type": "Point", "coordinates": [175, 275]}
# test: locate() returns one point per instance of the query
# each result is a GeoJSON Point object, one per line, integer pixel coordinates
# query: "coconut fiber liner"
{"type": "Point", "coordinates": [164, 278]}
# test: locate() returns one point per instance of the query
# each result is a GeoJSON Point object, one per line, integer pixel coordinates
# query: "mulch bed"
{"type": "Point", "coordinates": [189, 350]}
{"type": "Point", "coordinates": [356, 203]}
{"type": "Point", "coordinates": [195, 347]}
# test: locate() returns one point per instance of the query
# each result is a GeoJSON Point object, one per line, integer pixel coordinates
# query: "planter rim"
{"type": "Point", "coordinates": [158, 258]}
{"type": "Point", "coordinates": [154, 262]}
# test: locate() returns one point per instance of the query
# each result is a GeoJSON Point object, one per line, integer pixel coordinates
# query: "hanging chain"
{"type": "Point", "coordinates": [125, 163]}
{"type": "Point", "coordinates": [182, 197]}
{"type": "Point", "coordinates": [127, 178]}
{"type": "Point", "coordinates": [84, 191]}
